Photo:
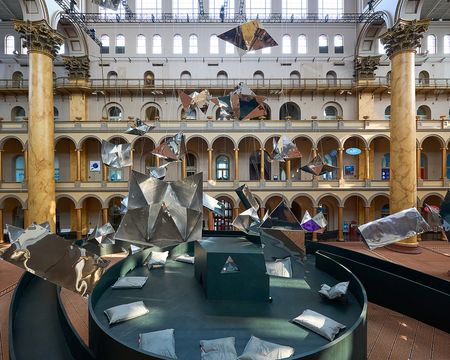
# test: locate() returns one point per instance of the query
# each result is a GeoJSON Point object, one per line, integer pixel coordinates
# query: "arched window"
{"type": "Point", "coordinates": [423, 166]}
{"type": "Point", "coordinates": [257, 8]}
{"type": "Point", "coordinates": [388, 77]}
{"type": "Point", "coordinates": [229, 48]}
{"type": "Point", "coordinates": [323, 44]}
{"type": "Point", "coordinates": [185, 75]}
{"type": "Point", "coordinates": [177, 44]}
{"type": "Point", "coordinates": [381, 49]}
{"type": "Point", "coordinates": [55, 113]}
{"type": "Point", "coordinates": [255, 166]}
{"type": "Point", "coordinates": [387, 113]}
{"type": "Point", "coordinates": [120, 44]}
{"type": "Point", "coordinates": [258, 77]}
{"type": "Point", "coordinates": [17, 78]}
{"type": "Point", "coordinates": [104, 49]}
{"type": "Point", "coordinates": [330, 159]}
{"type": "Point", "coordinates": [294, 9]}
{"type": "Point", "coordinates": [290, 110]}
{"type": "Point", "coordinates": [152, 113]}
{"type": "Point", "coordinates": [338, 44]}
{"type": "Point", "coordinates": [330, 113]}
{"type": "Point", "coordinates": [224, 223]}
{"type": "Point", "coordinates": [141, 47]}
{"type": "Point", "coordinates": [10, 46]}
{"type": "Point", "coordinates": [222, 75]}
{"type": "Point", "coordinates": [149, 78]}
{"type": "Point", "coordinates": [57, 169]}
{"type": "Point", "coordinates": [385, 167]}
{"type": "Point", "coordinates": [431, 44]}
{"type": "Point", "coordinates": [19, 165]}
{"type": "Point", "coordinates": [286, 44]}
{"type": "Point", "coordinates": [17, 113]}
{"type": "Point", "coordinates": [115, 174]}
{"type": "Point", "coordinates": [145, 7]}
{"type": "Point", "coordinates": [114, 214]}
{"type": "Point", "coordinates": [447, 44]}
{"type": "Point", "coordinates": [157, 44]}
{"type": "Point", "coordinates": [331, 9]}
{"type": "Point", "coordinates": [385, 210]}
{"type": "Point", "coordinates": [424, 112]}
{"type": "Point", "coordinates": [331, 78]}
{"type": "Point", "coordinates": [302, 46]}
{"type": "Point", "coordinates": [193, 44]}
{"type": "Point", "coordinates": [222, 168]}
{"type": "Point", "coordinates": [18, 217]}
{"type": "Point", "coordinates": [114, 113]}
{"type": "Point", "coordinates": [448, 166]}
{"type": "Point", "coordinates": [112, 78]}
{"type": "Point", "coordinates": [424, 78]}
{"type": "Point", "coordinates": [213, 44]}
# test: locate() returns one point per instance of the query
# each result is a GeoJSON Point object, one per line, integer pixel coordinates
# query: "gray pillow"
{"type": "Point", "coordinates": [160, 342]}
{"type": "Point", "coordinates": [257, 349]}
{"type": "Point", "coordinates": [218, 349]}
{"type": "Point", "coordinates": [319, 323]}
{"type": "Point", "coordinates": [130, 282]}
{"type": "Point", "coordinates": [157, 259]}
{"type": "Point", "coordinates": [280, 267]}
{"type": "Point", "coordinates": [124, 312]}
{"type": "Point", "coordinates": [334, 292]}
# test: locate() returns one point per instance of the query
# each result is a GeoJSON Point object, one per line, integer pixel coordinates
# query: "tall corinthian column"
{"type": "Point", "coordinates": [43, 44]}
{"type": "Point", "coordinates": [400, 43]}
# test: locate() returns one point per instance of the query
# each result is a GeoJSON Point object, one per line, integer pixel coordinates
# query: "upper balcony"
{"type": "Point", "coordinates": [272, 86]}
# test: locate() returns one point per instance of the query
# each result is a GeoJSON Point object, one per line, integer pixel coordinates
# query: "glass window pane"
{"type": "Point", "coordinates": [215, 7]}
{"type": "Point", "coordinates": [295, 9]}
{"type": "Point", "coordinates": [213, 44]}
{"type": "Point", "coordinates": [257, 8]}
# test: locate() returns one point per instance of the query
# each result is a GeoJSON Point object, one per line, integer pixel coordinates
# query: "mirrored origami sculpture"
{"type": "Point", "coordinates": [434, 219]}
{"type": "Point", "coordinates": [109, 4]}
{"type": "Point", "coordinates": [162, 213]}
{"type": "Point", "coordinates": [138, 128]}
{"type": "Point", "coordinates": [317, 167]}
{"type": "Point", "coordinates": [246, 197]}
{"type": "Point", "coordinates": [200, 100]}
{"type": "Point", "coordinates": [249, 36]}
{"type": "Point", "coordinates": [281, 218]}
{"type": "Point", "coordinates": [248, 221]}
{"type": "Point", "coordinates": [116, 156]}
{"type": "Point", "coordinates": [173, 148]}
{"type": "Point", "coordinates": [103, 234]}
{"type": "Point", "coordinates": [55, 259]}
{"type": "Point", "coordinates": [284, 149]}
{"type": "Point", "coordinates": [216, 206]}
{"type": "Point", "coordinates": [124, 205]}
{"type": "Point", "coordinates": [445, 214]}
{"type": "Point", "coordinates": [158, 172]}
{"type": "Point", "coordinates": [393, 228]}
{"type": "Point", "coordinates": [316, 223]}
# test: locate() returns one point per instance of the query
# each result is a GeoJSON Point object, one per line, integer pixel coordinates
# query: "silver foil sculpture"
{"type": "Point", "coordinates": [138, 128]}
{"type": "Point", "coordinates": [103, 234]}
{"type": "Point", "coordinates": [284, 149]}
{"type": "Point", "coordinates": [248, 221]}
{"type": "Point", "coordinates": [162, 213]}
{"type": "Point", "coordinates": [173, 148]}
{"type": "Point", "coordinates": [158, 172]}
{"type": "Point", "coordinates": [390, 229]}
{"type": "Point", "coordinates": [282, 218]}
{"type": "Point", "coordinates": [246, 197]}
{"type": "Point", "coordinates": [216, 206]}
{"type": "Point", "coordinates": [116, 156]}
{"type": "Point", "coordinates": [317, 167]}
{"type": "Point", "coordinates": [55, 259]}
{"type": "Point", "coordinates": [316, 223]}
{"type": "Point", "coordinates": [434, 219]}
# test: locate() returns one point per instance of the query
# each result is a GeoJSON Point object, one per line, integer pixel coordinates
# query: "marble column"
{"type": "Point", "coordinates": [314, 152]}
{"type": "Point", "coordinates": [78, 69]}
{"type": "Point", "coordinates": [78, 151]}
{"type": "Point", "coordinates": [314, 213]}
{"type": "Point", "coordinates": [26, 218]}
{"type": "Point", "coordinates": [1, 226]}
{"type": "Point", "coordinates": [444, 164]}
{"type": "Point", "coordinates": [288, 170]}
{"type": "Point", "coordinates": [104, 216]}
{"type": "Point", "coordinates": [400, 43]}
{"type": "Point", "coordinates": [79, 224]}
{"type": "Point", "coordinates": [157, 161]}
{"type": "Point", "coordinates": [262, 164]}
{"type": "Point", "coordinates": [236, 164]}
{"type": "Point", "coordinates": [105, 173]}
{"type": "Point", "coordinates": [341, 164]}
{"type": "Point", "coordinates": [367, 164]}
{"type": "Point", "coordinates": [43, 44]}
{"type": "Point", "coordinates": [210, 220]}
{"type": "Point", "coordinates": [235, 215]}
{"type": "Point", "coordinates": [366, 214]}
{"type": "Point", "coordinates": [25, 165]}
{"type": "Point", "coordinates": [262, 212]}
{"type": "Point", "coordinates": [340, 223]}
{"type": "Point", "coordinates": [183, 167]}
{"type": "Point", "coordinates": [418, 155]}
{"type": "Point", "coordinates": [210, 164]}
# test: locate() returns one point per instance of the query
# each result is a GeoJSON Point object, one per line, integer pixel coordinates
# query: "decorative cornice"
{"type": "Point", "coordinates": [405, 35]}
{"type": "Point", "coordinates": [39, 36]}
{"type": "Point", "coordinates": [77, 66]}
{"type": "Point", "coordinates": [365, 66]}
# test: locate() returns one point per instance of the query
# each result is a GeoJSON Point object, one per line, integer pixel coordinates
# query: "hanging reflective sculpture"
{"type": "Point", "coordinates": [103, 234]}
{"type": "Point", "coordinates": [158, 172]}
{"type": "Point", "coordinates": [396, 227]}
{"type": "Point", "coordinates": [284, 149]}
{"type": "Point", "coordinates": [116, 156]}
{"type": "Point", "coordinates": [318, 166]}
{"type": "Point", "coordinates": [445, 214]}
{"type": "Point", "coordinates": [138, 128]}
{"type": "Point", "coordinates": [124, 205]}
{"type": "Point", "coordinates": [246, 197]}
{"type": "Point", "coordinates": [281, 218]}
{"type": "Point", "coordinates": [216, 206]}
{"type": "Point", "coordinates": [316, 223]}
{"type": "Point", "coordinates": [55, 259]}
{"type": "Point", "coordinates": [248, 221]}
{"type": "Point", "coordinates": [196, 100]}
{"type": "Point", "coordinates": [249, 36]}
{"type": "Point", "coordinates": [173, 148]}
{"type": "Point", "coordinates": [434, 219]}
{"type": "Point", "coordinates": [162, 213]}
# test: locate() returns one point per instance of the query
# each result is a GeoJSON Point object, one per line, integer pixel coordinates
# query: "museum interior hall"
{"type": "Point", "coordinates": [314, 131]}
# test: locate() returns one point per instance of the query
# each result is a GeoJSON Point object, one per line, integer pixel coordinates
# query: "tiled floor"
{"type": "Point", "coordinates": [390, 335]}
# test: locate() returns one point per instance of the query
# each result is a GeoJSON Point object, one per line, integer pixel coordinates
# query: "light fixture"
{"type": "Point", "coordinates": [353, 151]}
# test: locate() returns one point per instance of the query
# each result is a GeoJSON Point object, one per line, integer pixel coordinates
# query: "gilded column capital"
{"type": "Point", "coordinates": [39, 36]}
{"type": "Point", "coordinates": [405, 35]}
{"type": "Point", "coordinates": [365, 66]}
{"type": "Point", "coordinates": [77, 66]}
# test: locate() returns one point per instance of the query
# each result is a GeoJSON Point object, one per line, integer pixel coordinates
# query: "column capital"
{"type": "Point", "coordinates": [405, 35]}
{"type": "Point", "coordinates": [365, 66]}
{"type": "Point", "coordinates": [210, 149]}
{"type": "Point", "coordinates": [39, 36]}
{"type": "Point", "coordinates": [236, 149]}
{"type": "Point", "coordinates": [442, 148]}
{"type": "Point", "coordinates": [77, 66]}
{"type": "Point", "coordinates": [366, 148]}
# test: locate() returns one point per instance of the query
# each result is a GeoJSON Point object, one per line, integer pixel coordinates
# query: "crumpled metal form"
{"type": "Point", "coordinates": [109, 4]}
{"type": "Point", "coordinates": [200, 100]}
{"type": "Point", "coordinates": [434, 219]}
{"type": "Point", "coordinates": [284, 149]}
{"type": "Point", "coordinates": [281, 218]}
{"type": "Point", "coordinates": [216, 206]}
{"type": "Point", "coordinates": [249, 36]}
{"type": "Point", "coordinates": [158, 172]}
{"type": "Point", "coordinates": [390, 229]}
{"type": "Point", "coordinates": [116, 156]}
{"type": "Point", "coordinates": [248, 221]}
{"type": "Point", "coordinates": [445, 214]}
{"type": "Point", "coordinates": [173, 148]}
{"type": "Point", "coordinates": [317, 167]}
{"type": "Point", "coordinates": [124, 205]}
{"type": "Point", "coordinates": [138, 128]}
{"type": "Point", "coordinates": [316, 223]}
{"type": "Point", "coordinates": [56, 259]}
{"type": "Point", "coordinates": [103, 234]}
{"type": "Point", "coordinates": [162, 213]}
{"type": "Point", "coordinates": [246, 197]}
